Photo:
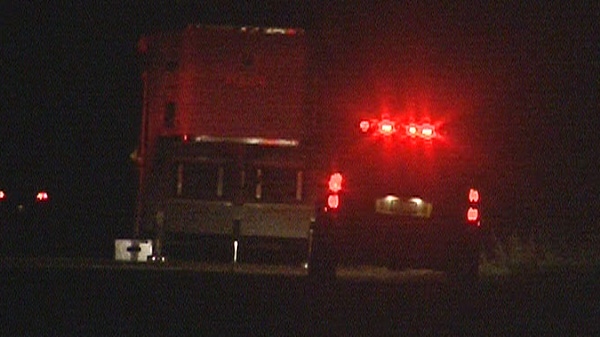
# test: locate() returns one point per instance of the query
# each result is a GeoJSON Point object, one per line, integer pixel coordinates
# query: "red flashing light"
{"type": "Point", "coordinates": [473, 195]}
{"type": "Point", "coordinates": [411, 130]}
{"type": "Point", "coordinates": [2, 195]}
{"type": "Point", "coordinates": [333, 201]}
{"type": "Point", "coordinates": [427, 131]}
{"type": "Point", "coordinates": [386, 127]}
{"type": "Point", "coordinates": [335, 182]}
{"type": "Point", "coordinates": [364, 126]}
{"type": "Point", "coordinates": [42, 196]}
{"type": "Point", "coordinates": [472, 214]}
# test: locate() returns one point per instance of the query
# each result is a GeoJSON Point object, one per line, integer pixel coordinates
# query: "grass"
{"type": "Point", "coordinates": [518, 253]}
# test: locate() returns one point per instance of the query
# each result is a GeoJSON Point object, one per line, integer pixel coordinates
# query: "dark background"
{"type": "Point", "coordinates": [525, 76]}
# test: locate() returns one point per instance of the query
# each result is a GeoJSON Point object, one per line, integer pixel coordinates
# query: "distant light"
{"type": "Point", "coordinates": [417, 201]}
{"type": "Point", "coordinates": [42, 196]}
{"type": "Point", "coordinates": [2, 195]}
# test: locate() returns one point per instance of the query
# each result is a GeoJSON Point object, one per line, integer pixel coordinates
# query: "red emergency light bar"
{"type": "Point", "coordinates": [388, 127]}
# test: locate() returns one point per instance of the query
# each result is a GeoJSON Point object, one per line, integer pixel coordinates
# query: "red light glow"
{"type": "Point", "coordinates": [42, 196]}
{"type": "Point", "coordinates": [472, 214]}
{"type": "Point", "coordinates": [333, 201]}
{"type": "Point", "coordinates": [2, 195]}
{"type": "Point", "coordinates": [427, 131]}
{"type": "Point", "coordinates": [386, 127]}
{"type": "Point", "coordinates": [473, 195]}
{"type": "Point", "coordinates": [335, 182]}
{"type": "Point", "coordinates": [412, 130]}
{"type": "Point", "coordinates": [364, 126]}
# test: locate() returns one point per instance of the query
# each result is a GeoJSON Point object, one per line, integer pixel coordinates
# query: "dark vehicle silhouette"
{"type": "Point", "coordinates": [401, 196]}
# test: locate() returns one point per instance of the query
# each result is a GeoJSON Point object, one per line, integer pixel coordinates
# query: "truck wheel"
{"type": "Point", "coordinates": [321, 270]}
{"type": "Point", "coordinates": [321, 263]}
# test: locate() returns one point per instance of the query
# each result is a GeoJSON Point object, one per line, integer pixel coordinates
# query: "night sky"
{"type": "Point", "coordinates": [525, 75]}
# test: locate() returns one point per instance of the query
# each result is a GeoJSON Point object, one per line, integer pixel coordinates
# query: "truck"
{"type": "Point", "coordinates": [225, 162]}
{"type": "Point", "coordinates": [398, 195]}
{"type": "Point", "coordinates": [243, 159]}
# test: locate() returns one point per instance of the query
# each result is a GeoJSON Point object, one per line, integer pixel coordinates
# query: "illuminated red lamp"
{"type": "Point", "coordinates": [473, 211]}
{"type": "Point", "coordinates": [2, 195]}
{"type": "Point", "coordinates": [335, 185]}
{"type": "Point", "coordinates": [333, 201]}
{"type": "Point", "coordinates": [472, 214]}
{"type": "Point", "coordinates": [335, 182]}
{"type": "Point", "coordinates": [473, 195]}
{"type": "Point", "coordinates": [42, 196]}
{"type": "Point", "coordinates": [427, 131]}
{"type": "Point", "coordinates": [364, 126]}
{"type": "Point", "coordinates": [411, 130]}
{"type": "Point", "coordinates": [386, 127]}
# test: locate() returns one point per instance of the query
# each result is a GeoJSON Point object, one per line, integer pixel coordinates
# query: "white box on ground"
{"type": "Point", "coordinates": [135, 250]}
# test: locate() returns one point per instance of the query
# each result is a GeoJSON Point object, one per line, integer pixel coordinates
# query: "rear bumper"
{"type": "Point", "coordinates": [194, 217]}
{"type": "Point", "coordinates": [406, 245]}
{"type": "Point", "coordinates": [235, 249]}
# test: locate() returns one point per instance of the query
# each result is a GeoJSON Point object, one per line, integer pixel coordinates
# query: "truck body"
{"type": "Point", "coordinates": [245, 151]}
{"type": "Point", "coordinates": [225, 141]}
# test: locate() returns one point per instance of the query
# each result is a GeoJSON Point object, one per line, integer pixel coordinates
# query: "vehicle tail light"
{"type": "Point", "coordinates": [333, 201]}
{"type": "Point", "coordinates": [473, 212]}
{"type": "Point", "coordinates": [42, 196]}
{"type": "Point", "coordinates": [473, 196]}
{"type": "Point", "coordinates": [335, 186]}
{"type": "Point", "coordinates": [335, 182]}
{"type": "Point", "coordinates": [2, 195]}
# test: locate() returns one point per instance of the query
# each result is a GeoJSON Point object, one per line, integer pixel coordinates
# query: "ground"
{"type": "Point", "coordinates": [86, 297]}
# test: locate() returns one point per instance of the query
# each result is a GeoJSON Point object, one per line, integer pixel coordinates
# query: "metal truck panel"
{"type": "Point", "coordinates": [276, 220]}
{"type": "Point", "coordinates": [226, 82]}
{"type": "Point", "coordinates": [198, 217]}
